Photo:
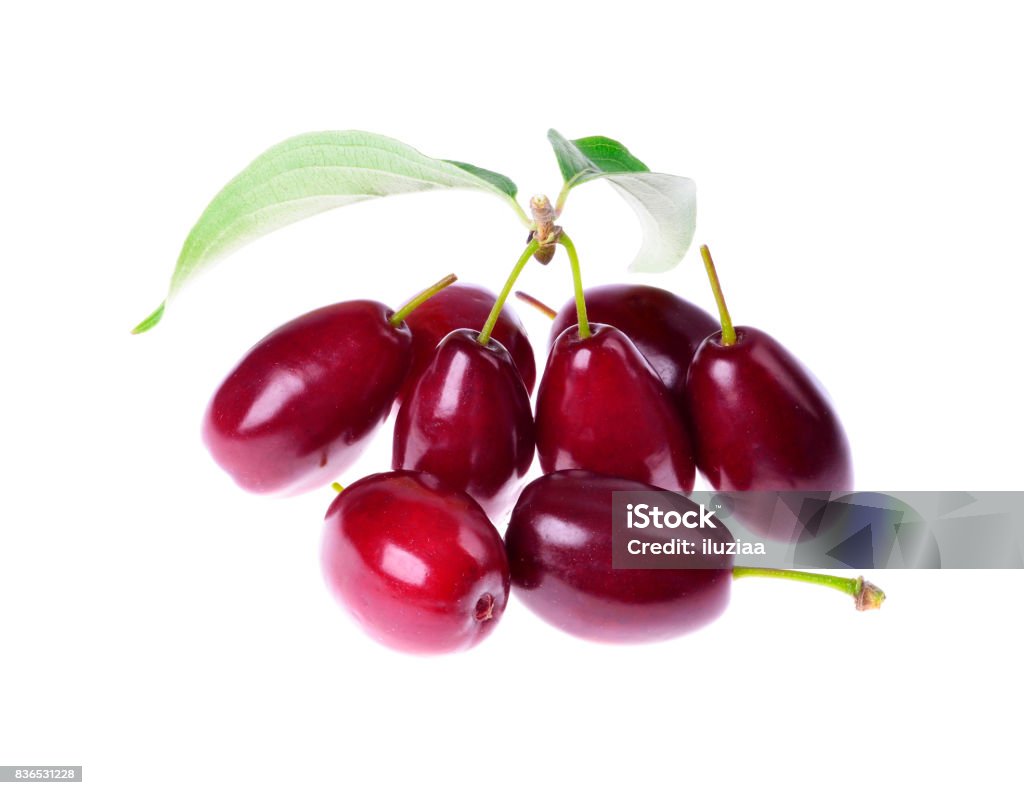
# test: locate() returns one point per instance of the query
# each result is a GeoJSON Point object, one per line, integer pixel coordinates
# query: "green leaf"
{"type": "Point", "coordinates": [307, 175]}
{"type": "Point", "coordinates": [152, 320]}
{"type": "Point", "coordinates": [588, 158]}
{"type": "Point", "coordinates": [499, 181]}
{"type": "Point", "coordinates": [665, 204]}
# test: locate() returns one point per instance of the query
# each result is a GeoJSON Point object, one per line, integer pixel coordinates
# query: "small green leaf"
{"type": "Point", "coordinates": [310, 174]}
{"type": "Point", "coordinates": [150, 321]}
{"type": "Point", "coordinates": [665, 204]}
{"type": "Point", "coordinates": [588, 158]}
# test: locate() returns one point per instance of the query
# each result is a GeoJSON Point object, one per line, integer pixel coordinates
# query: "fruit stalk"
{"type": "Point", "coordinates": [728, 332]}
{"type": "Point", "coordinates": [537, 304]}
{"type": "Point", "coordinates": [577, 284]}
{"type": "Point", "coordinates": [420, 298]}
{"type": "Point", "coordinates": [866, 596]}
{"type": "Point", "coordinates": [485, 332]}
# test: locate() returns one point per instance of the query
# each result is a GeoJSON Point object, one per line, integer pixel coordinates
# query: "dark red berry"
{"type": "Point", "coordinates": [761, 422]}
{"type": "Point", "coordinates": [601, 407]}
{"type": "Point", "coordinates": [559, 543]}
{"type": "Point", "coordinates": [417, 563]}
{"type": "Point", "coordinates": [468, 421]}
{"type": "Point", "coordinates": [303, 402]}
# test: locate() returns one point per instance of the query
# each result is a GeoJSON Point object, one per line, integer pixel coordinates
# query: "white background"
{"type": "Point", "coordinates": [859, 178]}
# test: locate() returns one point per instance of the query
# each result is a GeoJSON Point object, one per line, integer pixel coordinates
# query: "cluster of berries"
{"type": "Point", "coordinates": [641, 389]}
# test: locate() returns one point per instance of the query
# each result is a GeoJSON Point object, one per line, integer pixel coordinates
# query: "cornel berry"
{"type": "Point", "coordinates": [468, 421]}
{"type": "Point", "coordinates": [761, 423]}
{"type": "Point", "coordinates": [416, 562]}
{"type": "Point", "coordinates": [559, 543]}
{"type": "Point", "coordinates": [601, 407]}
{"type": "Point", "coordinates": [301, 405]}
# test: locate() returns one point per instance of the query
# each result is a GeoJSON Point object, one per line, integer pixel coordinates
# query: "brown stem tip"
{"type": "Point", "coordinates": [484, 610]}
{"type": "Point", "coordinates": [868, 596]}
{"type": "Point", "coordinates": [545, 231]}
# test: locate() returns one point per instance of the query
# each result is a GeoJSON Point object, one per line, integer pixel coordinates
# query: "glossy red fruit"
{"type": "Point", "coordinates": [664, 327]}
{"type": "Point", "coordinates": [601, 407]}
{"type": "Point", "coordinates": [302, 403]}
{"type": "Point", "coordinates": [417, 563]}
{"type": "Point", "coordinates": [468, 421]}
{"type": "Point", "coordinates": [761, 422]}
{"type": "Point", "coordinates": [559, 543]}
{"type": "Point", "coordinates": [465, 306]}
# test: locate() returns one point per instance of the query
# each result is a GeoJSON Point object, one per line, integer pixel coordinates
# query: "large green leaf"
{"type": "Point", "coordinates": [665, 204]}
{"type": "Point", "coordinates": [307, 175]}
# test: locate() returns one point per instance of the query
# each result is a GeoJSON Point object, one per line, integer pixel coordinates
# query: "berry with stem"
{"type": "Point", "coordinates": [468, 421]}
{"type": "Point", "coordinates": [760, 420]}
{"type": "Point", "coordinates": [560, 546]}
{"type": "Point", "coordinates": [601, 407]}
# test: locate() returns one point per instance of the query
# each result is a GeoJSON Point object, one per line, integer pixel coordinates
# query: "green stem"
{"type": "Point", "coordinates": [866, 595]}
{"type": "Point", "coordinates": [577, 285]}
{"type": "Point", "coordinates": [485, 333]}
{"type": "Point", "coordinates": [537, 304]}
{"type": "Point", "coordinates": [728, 332]}
{"type": "Point", "coordinates": [397, 318]}
{"type": "Point", "coordinates": [560, 201]}
{"type": "Point", "coordinates": [527, 222]}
